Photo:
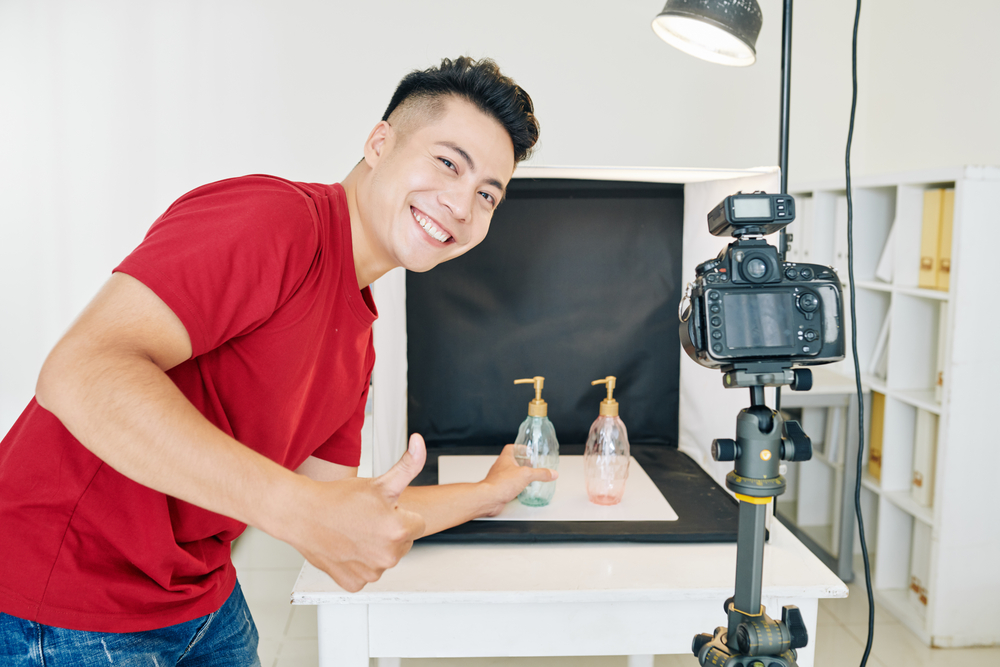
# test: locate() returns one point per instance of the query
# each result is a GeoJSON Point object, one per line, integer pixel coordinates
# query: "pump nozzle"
{"type": "Point", "coordinates": [537, 407]}
{"type": "Point", "coordinates": [609, 406]}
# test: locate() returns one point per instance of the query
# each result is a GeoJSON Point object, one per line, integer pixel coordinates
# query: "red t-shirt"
{"type": "Point", "coordinates": [261, 273]}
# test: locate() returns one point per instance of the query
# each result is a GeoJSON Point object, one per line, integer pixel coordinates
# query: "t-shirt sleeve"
{"type": "Point", "coordinates": [225, 256]}
{"type": "Point", "coordinates": [344, 446]}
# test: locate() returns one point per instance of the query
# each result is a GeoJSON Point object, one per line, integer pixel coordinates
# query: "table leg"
{"type": "Point", "coordinates": [640, 661]}
{"type": "Point", "coordinates": [342, 630]}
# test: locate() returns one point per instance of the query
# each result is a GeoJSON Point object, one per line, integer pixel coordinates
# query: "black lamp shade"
{"type": "Point", "coordinates": [720, 31]}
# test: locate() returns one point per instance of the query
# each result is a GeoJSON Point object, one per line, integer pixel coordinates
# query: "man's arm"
{"type": "Point", "coordinates": [106, 382]}
{"type": "Point", "coordinates": [446, 505]}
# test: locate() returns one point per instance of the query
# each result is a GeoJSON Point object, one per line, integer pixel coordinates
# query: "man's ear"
{"type": "Point", "coordinates": [378, 142]}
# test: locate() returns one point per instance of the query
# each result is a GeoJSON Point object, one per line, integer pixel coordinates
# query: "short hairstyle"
{"type": "Point", "coordinates": [481, 83]}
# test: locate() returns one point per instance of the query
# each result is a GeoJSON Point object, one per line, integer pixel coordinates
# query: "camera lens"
{"type": "Point", "coordinates": [756, 268]}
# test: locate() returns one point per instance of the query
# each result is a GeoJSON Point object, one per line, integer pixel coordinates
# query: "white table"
{"type": "Point", "coordinates": [479, 600]}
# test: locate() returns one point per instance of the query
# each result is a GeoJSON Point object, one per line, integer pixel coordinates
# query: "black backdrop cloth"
{"type": "Point", "coordinates": [576, 280]}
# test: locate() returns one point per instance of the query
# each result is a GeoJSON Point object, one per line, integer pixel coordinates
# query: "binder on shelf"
{"type": "Point", "coordinates": [800, 229]}
{"type": "Point", "coordinates": [835, 435]}
{"type": "Point", "coordinates": [875, 437]}
{"type": "Point", "coordinates": [944, 241]}
{"type": "Point", "coordinates": [880, 358]}
{"type": "Point", "coordinates": [942, 350]}
{"type": "Point", "coordinates": [885, 263]}
{"type": "Point", "coordinates": [814, 422]}
{"type": "Point", "coordinates": [846, 365]}
{"type": "Point", "coordinates": [924, 453]}
{"type": "Point", "coordinates": [930, 239]}
{"type": "Point", "coordinates": [840, 238]}
{"type": "Point", "coordinates": [920, 564]}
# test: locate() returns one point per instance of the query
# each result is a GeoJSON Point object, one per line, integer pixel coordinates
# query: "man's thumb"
{"type": "Point", "coordinates": [399, 476]}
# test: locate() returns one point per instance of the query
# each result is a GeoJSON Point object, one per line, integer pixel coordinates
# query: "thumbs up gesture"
{"type": "Point", "coordinates": [398, 477]}
{"type": "Point", "coordinates": [354, 529]}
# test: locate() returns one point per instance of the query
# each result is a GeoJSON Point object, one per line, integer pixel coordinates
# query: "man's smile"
{"type": "Point", "coordinates": [429, 226]}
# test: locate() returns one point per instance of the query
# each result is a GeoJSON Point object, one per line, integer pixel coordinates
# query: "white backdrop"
{"type": "Point", "coordinates": [109, 110]}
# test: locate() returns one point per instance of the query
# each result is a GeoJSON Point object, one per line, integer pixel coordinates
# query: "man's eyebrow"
{"type": "Point", "coordinates": [472, 165]}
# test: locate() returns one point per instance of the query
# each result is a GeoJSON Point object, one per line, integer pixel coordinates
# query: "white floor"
{"type": "Point", "coordinates": [267, 570]}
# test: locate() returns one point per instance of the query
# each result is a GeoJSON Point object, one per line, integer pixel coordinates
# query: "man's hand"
{"type": "Point", "coordinates": [506, 479]}
{"type": "Point", "coordinates": [354, 529]}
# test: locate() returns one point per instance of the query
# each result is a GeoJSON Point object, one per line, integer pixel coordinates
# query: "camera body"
{"type": "Point", "coordinates": [747, 309]}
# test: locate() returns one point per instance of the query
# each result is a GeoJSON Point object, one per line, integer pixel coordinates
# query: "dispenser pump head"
{"type": "Point", "coordinates": [609, 406]}
{"type": "Point", "coordinates": [537, 407]}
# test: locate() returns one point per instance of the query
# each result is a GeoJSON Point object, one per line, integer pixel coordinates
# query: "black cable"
{"type": "Point", "coordinates": [854, 341]}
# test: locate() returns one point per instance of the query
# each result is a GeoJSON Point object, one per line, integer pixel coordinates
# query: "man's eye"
{"type": "Point", "coordinates": [448, 163]}
{"type": "Point", "coordinates": [488, 197]}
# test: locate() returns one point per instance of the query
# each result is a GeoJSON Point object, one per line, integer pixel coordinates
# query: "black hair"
{"type": "Point", "coordinates": [481, 83]}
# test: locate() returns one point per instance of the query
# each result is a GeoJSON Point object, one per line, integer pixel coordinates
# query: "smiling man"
{"type": "Point", "coordinates": [219, 379]}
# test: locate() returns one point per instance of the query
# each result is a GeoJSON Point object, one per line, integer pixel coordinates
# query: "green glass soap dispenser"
{"type": "Point", "coordinates": [537, 446]}
{"type": "Point", "coordinates": [606, 456]}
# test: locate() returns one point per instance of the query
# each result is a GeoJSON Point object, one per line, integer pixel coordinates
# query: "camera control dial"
{"type": "Point", "coordinates": [808, 302]}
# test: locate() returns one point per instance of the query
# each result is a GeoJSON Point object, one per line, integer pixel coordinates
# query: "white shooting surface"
{"type": "Point", "coordinates": [642, 500]}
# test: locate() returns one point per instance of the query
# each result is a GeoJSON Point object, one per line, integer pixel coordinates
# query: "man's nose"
{"type": "Point", "coordinates": [459, 201]}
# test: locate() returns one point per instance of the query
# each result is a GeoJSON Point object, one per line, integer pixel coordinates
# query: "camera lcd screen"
{"type": "Point", "coordinates": [759, 320]}
{"type": "Point", "coordinates": [751, 207]}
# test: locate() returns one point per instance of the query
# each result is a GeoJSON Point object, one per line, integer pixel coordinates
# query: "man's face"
{"type": "Point", "coordinates": [435, 185]}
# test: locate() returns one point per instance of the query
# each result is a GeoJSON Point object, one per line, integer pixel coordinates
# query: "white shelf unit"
{"type": "Point", "coordinates": [955, 542]}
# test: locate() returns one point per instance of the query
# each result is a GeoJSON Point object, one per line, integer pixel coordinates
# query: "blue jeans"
{"type": "Point", "coordinates": [225, 638]}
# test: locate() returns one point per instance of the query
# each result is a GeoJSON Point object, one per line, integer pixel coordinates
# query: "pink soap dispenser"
{"type": "Point", "coordinates": [606, 457]}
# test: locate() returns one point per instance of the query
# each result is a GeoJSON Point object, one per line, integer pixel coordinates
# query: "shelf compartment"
{"type": "Point", "coordinates": [894, 534]}
{"type": "Point", "coordinates": [899, 427]}
{"type": "Point", "coordinates": [822, 233]}
{"type": "Point", "coordinates": [815, 494]}
{"type": "Point", "coordinates": [913, 340]}
{"type": "Point", "coordinates": [873, 309]}
{"type": "Point", "coordinates": [906, 246]}
{"type": "Point", "coordinates": [904, 570]}
{"type": "Point", "coordinates": [874, 213]}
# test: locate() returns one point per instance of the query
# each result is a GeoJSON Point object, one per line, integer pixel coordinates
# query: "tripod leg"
{"type": "Point", "coordinates": [749, 562]}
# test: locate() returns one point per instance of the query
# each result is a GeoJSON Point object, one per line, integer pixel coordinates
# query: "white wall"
{"type": "Point", "coordinates": [111, 109]}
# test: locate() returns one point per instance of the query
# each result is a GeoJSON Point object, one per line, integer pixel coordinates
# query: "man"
{"type": "Point", "coordinates": [231, 348]}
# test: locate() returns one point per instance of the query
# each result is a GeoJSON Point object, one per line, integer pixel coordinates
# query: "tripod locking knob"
{"type": "Point", "coordinates": [725, 449]}
{"type": "Point", "coordinates": [792, 618]}
{"type": "Point", "coordinates": [699, 642]}
{"type": "Point", "coordinates": [796, 445]}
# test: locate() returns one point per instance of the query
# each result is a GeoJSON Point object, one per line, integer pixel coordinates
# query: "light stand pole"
{"type": "Point", "coordinates": [786, 90]}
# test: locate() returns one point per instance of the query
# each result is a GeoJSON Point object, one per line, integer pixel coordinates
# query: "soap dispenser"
{"type": "Point", "coordinates": [536, 446]}
{"type": "Point", "coordinates": [606, 456]}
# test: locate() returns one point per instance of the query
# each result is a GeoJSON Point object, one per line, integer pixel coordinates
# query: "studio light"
{"type": "Point", "coordinates": [719, 31]}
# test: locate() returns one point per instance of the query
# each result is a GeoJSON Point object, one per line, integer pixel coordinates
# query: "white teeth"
{"type": "Point", "coordinates": [431, 228]}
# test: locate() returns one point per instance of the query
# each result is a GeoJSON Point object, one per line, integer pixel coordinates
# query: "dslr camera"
{"type": "Point", "coordinates": [751, 314]}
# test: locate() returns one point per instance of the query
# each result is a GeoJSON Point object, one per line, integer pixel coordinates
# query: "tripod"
{"type": "Point", "coordinates": [763, 438]}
